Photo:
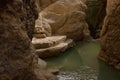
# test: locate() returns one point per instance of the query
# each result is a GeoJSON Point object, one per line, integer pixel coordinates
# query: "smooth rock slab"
{"type": "Point", "coordinates": [55, 50]}
{"type": "Point", "coordinates": [48, 41]}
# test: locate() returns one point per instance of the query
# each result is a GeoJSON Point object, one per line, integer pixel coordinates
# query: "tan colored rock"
{"type": "Point", "coordinates": [42, 28]}
{"type": "Point", "coordinates": [54, 50]}
{"type": "Point", "coordinates": [41, 4]}
{"type": "Point", "coordinates": [51, 46]}
{"type": "Point", "coordinates": [48, 41]}
{"type": "Point", "coordinates": [110, 37]}
{"type": "Point", "coordinates": [67, 17]}
{"type": "Point", "coordinates": [39, 35]}
{"type": "Point", "coordinates": [74, 28]}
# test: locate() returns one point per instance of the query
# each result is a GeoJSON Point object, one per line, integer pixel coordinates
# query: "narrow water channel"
{"type": "Point", "coordinates": [81, 63]}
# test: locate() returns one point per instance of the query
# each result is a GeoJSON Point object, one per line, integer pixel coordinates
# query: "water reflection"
{"type": "Point", "coordinates": [70, 60]}
{"type": "Point", "coordinates": [107, 72]}
{"type": "Point", "coordinates": [81, 63]}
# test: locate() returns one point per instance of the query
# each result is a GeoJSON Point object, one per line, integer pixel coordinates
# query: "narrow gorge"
{"type": "Point", "coordinates": [59, 40]}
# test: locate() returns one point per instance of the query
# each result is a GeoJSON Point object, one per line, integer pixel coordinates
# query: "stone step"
{"type": "Point", "coordinates": [48, 41]}
{"type": "Point", "coordinates": [54, 50]}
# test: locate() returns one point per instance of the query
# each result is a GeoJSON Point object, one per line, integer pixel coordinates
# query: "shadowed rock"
{"type": "Point", "coordinates": [17, 58]}
{"type": "Point", "coordinates": [110, 36]}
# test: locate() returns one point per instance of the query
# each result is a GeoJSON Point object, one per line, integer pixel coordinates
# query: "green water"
{"type": "Point", "coordinates": [81, 63]}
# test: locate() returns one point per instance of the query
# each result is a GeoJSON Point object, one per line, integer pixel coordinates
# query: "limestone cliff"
{"type": "Point", "coordinates": [110, 37]}
{"type": "Point", "coordinates": [17, 58]}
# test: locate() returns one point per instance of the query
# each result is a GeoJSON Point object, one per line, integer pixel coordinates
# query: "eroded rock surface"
{"type": "Point", "coordinates": [58, 19]}
{"type": "Point", "coordinates": [110, 37]}
{"type": "Point", "coordinates": [17, 58]}
{"type": "Point", "coordinates": [42, 28]}
{"type": "Point", "coordinates": [67, 17]}
{"type": "Point", "coordinates": [41, 4]}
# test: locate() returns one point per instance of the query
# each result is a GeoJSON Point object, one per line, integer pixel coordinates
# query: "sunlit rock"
{"type": "Point", "coordinates": [51, 46]}
{"type": "Point", "coordinates": [67, 17]}
{"type": "Point", "coordinates": [42, 28]}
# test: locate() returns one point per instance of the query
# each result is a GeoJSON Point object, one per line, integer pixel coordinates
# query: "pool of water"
{"type": "Point", "coordinates": [81, 63]}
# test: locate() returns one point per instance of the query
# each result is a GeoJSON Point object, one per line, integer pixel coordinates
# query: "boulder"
{"type": "Point", "coordinates": [67, 17]}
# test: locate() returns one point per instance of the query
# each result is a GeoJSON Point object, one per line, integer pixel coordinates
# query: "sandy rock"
{"type": "Point", "coordinates": [67, 17]}
{"type": "Point", "coordinates": [48, 41]}
{"type": "Point", "coordinates": [110, 36]}
{"type": "Point", "coordinates": [41, 35]}
{"type": "Point", "coordinates": [54, 50]}
{"type": "Point", "coordinates": [42, 28]}
{"type": "Point", "coordinates": [42, 4]}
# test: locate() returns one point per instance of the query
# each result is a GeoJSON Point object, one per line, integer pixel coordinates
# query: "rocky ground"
{"type": "Point", "coordinates": [84, 73]}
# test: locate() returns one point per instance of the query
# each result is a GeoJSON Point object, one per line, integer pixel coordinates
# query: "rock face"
{"type": "Point", "coordinates": [30, 15]}
{"type": "Point", "coordinates": [60, 23]}
{"type": "Point", "coordinates": [17, 58]}
{"type": "Point", "coordinates": [41, 4]}
{"type": "Point", "coordinates": [67, 17]}
{"type": "Point", "coordinates": [110, 38]}
{"type": "Point", "coordinates": [95, 16]}
{"type": "Point", "coordinates": [42, 28]}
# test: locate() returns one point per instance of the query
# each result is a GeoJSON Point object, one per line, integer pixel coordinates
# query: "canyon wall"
{"type": "Point", "coordinates": [95, 16]}
{"type": "Point", "coordinates": [110, 36]}
{"type": "Point", "coordinates": [17, 58]}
